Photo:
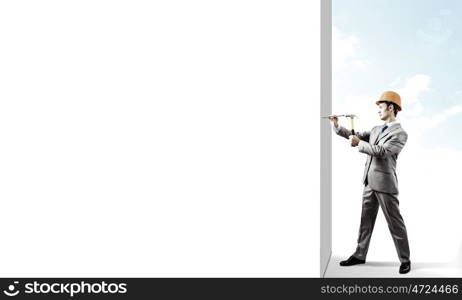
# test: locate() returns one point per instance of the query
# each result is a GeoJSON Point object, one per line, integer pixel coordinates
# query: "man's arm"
{"type": "Point", "coordinates": [342, 131]}
{"type": "Point", "coordinates": [389, 148]}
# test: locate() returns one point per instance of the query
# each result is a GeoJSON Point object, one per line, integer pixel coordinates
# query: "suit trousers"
{"type": "Point", "coordinates": [390, 207]}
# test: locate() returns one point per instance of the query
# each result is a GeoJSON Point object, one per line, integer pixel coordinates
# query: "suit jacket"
{"type": "Point", "coordinates": [382, 151]}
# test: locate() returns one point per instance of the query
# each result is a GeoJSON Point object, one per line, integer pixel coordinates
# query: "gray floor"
{"type": "Point", "coordinates": [390, 269]}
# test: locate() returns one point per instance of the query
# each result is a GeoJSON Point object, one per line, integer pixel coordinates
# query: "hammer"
{"type": "Point", "coordinates": [352, 118]}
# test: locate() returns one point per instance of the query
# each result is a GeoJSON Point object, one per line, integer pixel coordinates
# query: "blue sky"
{"type": "Point", "coordinates": [387, 43]}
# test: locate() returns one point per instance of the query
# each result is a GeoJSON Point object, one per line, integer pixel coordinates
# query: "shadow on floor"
{"type": "Point", "coordinates": [390, 269]}
{"type": "Point", "coordinates": [415, 266]}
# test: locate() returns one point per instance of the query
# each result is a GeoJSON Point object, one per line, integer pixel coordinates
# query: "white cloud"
{"type": "Point", "coordinates": [411, 97]}
{"type": "Point", "coordinates": [457, 109]}
{"type": "Point", "coordinates": [432, 121]}
{"type": "Point", "coordinates": [413, 116]}
{"type": "Point", "coordinates": [415, 86]}
{"type": "Point", "coordinates": [344, 51]}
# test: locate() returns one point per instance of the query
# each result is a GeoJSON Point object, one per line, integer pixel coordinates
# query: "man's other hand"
{"type": "Point", "coordinates": [334, 121]}
{"type": "Point", "coordinates": [354, 140]}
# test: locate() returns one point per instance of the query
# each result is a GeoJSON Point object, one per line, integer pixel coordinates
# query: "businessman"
{"type": "Point", "coordinates": [381, 145]}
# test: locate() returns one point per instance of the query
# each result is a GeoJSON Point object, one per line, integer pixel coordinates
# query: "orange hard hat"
{"type": "Point", "coordinates": [392, 97]}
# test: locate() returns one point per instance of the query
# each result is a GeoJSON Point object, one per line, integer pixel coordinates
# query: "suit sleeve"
{"type": "Point", "coordinates": [389, 148]}
{"type": "Point", "coordinates": [342, 131]}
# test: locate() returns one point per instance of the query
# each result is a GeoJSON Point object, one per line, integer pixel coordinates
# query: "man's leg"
{"type": "Point", "coordinates": [390, 207]}
{"type": "Point", "coordinates": [370, 208]}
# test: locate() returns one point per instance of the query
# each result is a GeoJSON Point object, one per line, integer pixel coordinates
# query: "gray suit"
{"type": "Point", "coordinates": [380, 185]}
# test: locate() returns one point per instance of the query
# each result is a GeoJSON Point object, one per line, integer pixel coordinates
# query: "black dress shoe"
{"type": "Point", "coordinates": [405, 268]}
{"type": "Point", "coordinates": [352, 261]}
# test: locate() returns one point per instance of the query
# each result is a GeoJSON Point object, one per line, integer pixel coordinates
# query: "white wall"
{"type": "Point", "coordinates": [169, 138]}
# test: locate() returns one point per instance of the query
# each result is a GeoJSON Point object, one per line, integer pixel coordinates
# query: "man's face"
{"type": "Point", "coordinates": [384, 111]}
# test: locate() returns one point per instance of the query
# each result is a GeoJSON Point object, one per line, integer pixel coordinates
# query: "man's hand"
{"type": "Point", "coordinates": [334, 121]}
{"type": "Point", "coordinates": [354, 140]}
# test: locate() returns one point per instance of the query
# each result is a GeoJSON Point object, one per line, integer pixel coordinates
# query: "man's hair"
{"type": "Point", "coordinates": [395, 107]}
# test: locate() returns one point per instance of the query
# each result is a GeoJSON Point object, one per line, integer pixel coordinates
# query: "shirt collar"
{"type": "Point", "coordinates": [391, 123]}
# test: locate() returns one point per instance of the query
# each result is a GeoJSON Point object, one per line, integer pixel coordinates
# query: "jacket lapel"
{"type": "Point", "coordinates": [376, 135]}
{"type": "Point", "coordinates": [386, 132]}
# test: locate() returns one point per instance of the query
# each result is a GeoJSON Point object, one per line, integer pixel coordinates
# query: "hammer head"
{"type": "Point", "coordinates": [351, 116]}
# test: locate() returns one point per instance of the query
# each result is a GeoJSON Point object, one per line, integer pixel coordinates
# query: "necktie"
{"type": "Point", "coordinates": [384, 128]}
